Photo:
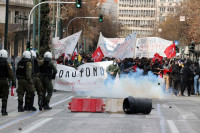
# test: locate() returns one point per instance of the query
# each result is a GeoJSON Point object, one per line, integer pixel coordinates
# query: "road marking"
{"type": "Point", "coordinates": [31, 114]}
{"type": "Point", "coordinates": [162, 119]}
{"type": "Point", "coordinates": [190, 116]}
{"type": "Point", "coordinates": [55, 95]}
{"type": "Point", "coordinates": [82, 114]}
{"type": "Point", "coordinates": [37, 124]}
{"type": "Point", "coordinates": [117, 115]}
{"type": "Point", "coordinates": [51, 112]}
{"type": "Point", "coordinates": [186, 115]}
{"type": "Point", "coordinates": [172, 126]}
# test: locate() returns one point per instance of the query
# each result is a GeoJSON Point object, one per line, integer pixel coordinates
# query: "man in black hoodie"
{"type": "Point", "coordinates": [176, 79]}
{"type": "Point", "coordinates": [185, 76]}
{"type": "Point", "coordinates": [156, 68]}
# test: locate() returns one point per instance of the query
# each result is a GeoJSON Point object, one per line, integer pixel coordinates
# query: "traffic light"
{"type": "Point", "coordinates": [78, 3]}
{"type": "Point", "coordinates": [28, 46]}
{"type": "Point", "coordinates": [192, 47]}
{"type": "Point", "coordinates": [100, 18]}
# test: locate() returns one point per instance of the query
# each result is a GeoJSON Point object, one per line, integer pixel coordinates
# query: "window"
{"type": "Point", "coordinates": [161, 18]}
{"type": "Point", "coordinates": [162, 1]}
{"type": "Point", "coordinates": [162, 9]}
{"type": "Point", "coordinates": [16, 17]}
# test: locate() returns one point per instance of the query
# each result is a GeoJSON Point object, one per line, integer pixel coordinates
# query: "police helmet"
{"type": "Point", "coordinates": [3, 53]}
{"type": "Point", "coordinates": [26, 54]}
{"type": "Point", "coordinates": [48, 55]}
{"type": "Point", "coordinates": [33, 53]}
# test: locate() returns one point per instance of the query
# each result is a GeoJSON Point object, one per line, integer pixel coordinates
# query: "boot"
{"type": "Point", "coordinates": [20, 106]}
{"type": "Point", "coordinates": [40, 103]}
{"type": "Point", "coordinates": [31, 107]}
{"type": "Point", "coordinates": [3, 111]}
{"type": "Point", "coordinates": [46, 106]}
{"type": "Point", "coordinates": [26, 106]}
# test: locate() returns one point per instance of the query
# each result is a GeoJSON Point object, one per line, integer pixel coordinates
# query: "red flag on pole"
{"type": "Point", "coordinates": [97, 55]}
{"type": "Point", "coordinates": [157, 56]}
{"type": "Point", "coordinates": [170, 51]}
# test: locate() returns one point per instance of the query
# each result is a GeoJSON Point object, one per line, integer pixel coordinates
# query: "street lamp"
{"type": "Point", "coordinates": [45, 2]}
{"type": "Point", "coordinates": [23, 21]}
{"type": "Point", "coordinates": [78, 18]}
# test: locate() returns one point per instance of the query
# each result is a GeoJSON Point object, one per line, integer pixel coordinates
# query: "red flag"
{"type": "Point", "coordinates": [170, 51]}
{"type": "Point", "coordinates": [97, 55]}
{"type": "Point", "coordinates": [157, 56]}
{"type": "Point", "coordinates": [74, 54]}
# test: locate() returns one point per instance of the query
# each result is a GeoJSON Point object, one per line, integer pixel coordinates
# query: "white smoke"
{"type": "Point", "coordinates": [133, 84]}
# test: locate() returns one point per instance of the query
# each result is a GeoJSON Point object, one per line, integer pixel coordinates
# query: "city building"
{"type": "Point", "coordinates": [137, 16]}
{"type": "Point", "coordinates": [142, 16]}
{"type": "Point", "coordinates": [166, 7]}
{"type": "Point", "coordinates": [17, 32]}
{"type": "Point", "coordinates": [109, 7]}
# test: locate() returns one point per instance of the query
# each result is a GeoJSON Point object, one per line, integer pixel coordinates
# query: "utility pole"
{"type": "Point", "coordinates": [58, 30]}
{"type": "Point", "coordinates": [39, 10]}
{"type": "Point", "coordinates": [54, 22]}
{"type": "Point", "coordinates": [34, 25]}
{"type": "Point", "coordinates": [6, 25]}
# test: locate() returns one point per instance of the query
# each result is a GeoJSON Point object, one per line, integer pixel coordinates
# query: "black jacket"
{"type": "Point", "coordinates": [176, 72]}
{"type": "Point", "coordinates": [186, 73]}
{"type": "Point", "coordinates": [196, 70]}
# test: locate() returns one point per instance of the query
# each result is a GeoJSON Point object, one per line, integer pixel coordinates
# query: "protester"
{"type": "Point", "coordinates": [196, 72]}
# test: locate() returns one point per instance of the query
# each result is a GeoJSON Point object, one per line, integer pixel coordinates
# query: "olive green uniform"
{"type": "Point", "coordinates": [48, 72]}
{"type": "Point", "coordinates": [5, 76]}
{"type": "Point", "coordinates": [113, 68]}
{"type": "Point", "coordinates": [25, 82]}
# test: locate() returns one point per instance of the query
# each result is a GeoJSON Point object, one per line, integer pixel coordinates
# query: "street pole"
{"type": "Point", "coordinates": [45, 2]}
{"type": "Point", "coordinates": [54, 24]}
{"type": "Point", "coordinates": [78, 18]}
{"type": "Point", "coordinates": [6, 25]}
{"type": "Point", "coordinates": [58, 30]}
{"type": "Point", "coordinates": [34, 25]}
{"type": "Point", "coordinates": [23, 36]}
{"type": "Point", "coordinates": [39, 10]}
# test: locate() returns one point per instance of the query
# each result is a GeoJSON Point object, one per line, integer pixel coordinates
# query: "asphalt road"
{"type": "Point", "coordinates": [170, 115]}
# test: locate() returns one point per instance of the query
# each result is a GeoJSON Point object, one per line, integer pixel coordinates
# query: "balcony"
{"type": "Point", "coordinates": [20, 3]}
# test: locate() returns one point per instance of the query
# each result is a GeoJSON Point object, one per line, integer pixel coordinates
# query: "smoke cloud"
{"type": "Point", "coordinates": [133, 84]}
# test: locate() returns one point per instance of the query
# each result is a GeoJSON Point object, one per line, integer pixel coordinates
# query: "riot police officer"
{"type": "Point", "coordinates": [48, 72]}
{"type": "Point", "coordinates": [25, 81]}
{"type": "Point", "coordinates": [6, 74]}
{"type": "Point", "coordinates": [37, 85]}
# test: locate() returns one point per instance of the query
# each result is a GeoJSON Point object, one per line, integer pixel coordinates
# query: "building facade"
{"type": "Point", "coordinates": [17, 32]}
{"type": "Point", "coordinates": [166, 7]}
{"type": "Point", "coordinates": [142, 16]}
{"type": "Point", "coordinates": [137, 16]}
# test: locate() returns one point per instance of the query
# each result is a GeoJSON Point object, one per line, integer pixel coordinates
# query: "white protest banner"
{"type": "Point", "coordinates": [141, 48]}
{"type": "Point", "coordinates": [157, 45]}
{"type": "Point", "coordinates": [121, 50]}
{"type": "Point", "coordinates": [87, 77]}
{"type": "Point", "coordinates": [66, 45]}
{"type": "Point", "coordinates": [147, 47]}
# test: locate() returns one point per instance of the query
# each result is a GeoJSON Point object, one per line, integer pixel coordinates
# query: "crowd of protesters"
{"type": "Point", "coordinates": [178, 74]}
